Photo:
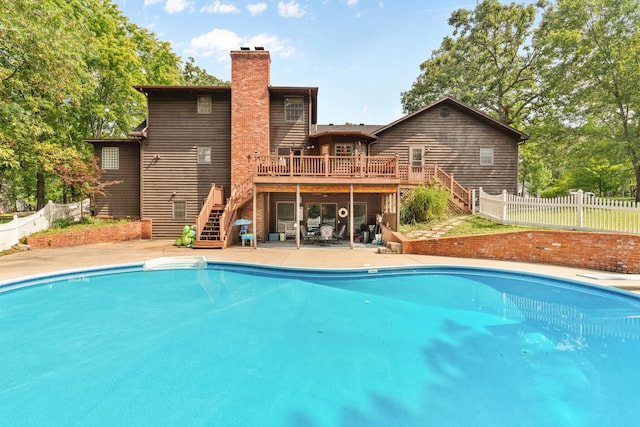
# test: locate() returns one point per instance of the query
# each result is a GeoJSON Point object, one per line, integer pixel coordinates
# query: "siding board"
{"type": "Point", "coordinates": [123, 198]}
{"type": "Point", "coordinates": [454, 144]}
{"type": "Point", "coordinates": [170, 166]}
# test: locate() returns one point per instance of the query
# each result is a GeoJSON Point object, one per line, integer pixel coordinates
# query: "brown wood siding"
{"type": "Point", "coordinates": [123, 198]}
{"type": "Point", "coordinates": [169, 157]}
{"type": "Point", "coordinates": [454, 143]}
{"type": "Point", "coordinates": [287, 134]}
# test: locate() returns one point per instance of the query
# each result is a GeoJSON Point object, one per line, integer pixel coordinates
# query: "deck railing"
{"type": "Point", "coordinates": [424, 174]}
{"type": "Point", "coordinates": [239, 194]}
{"type": "Point", "coordinates": [328, 166]}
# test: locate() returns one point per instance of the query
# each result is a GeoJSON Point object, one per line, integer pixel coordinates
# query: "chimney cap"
{"type": "Point", "coordinates": [245, 48]}
{"type": "Point", "coordinates": [259, 48]}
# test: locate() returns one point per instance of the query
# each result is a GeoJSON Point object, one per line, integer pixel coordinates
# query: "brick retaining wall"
{"type": "Point", "coordinates": [108, 233]}
{"type": "Point", "coordinates": [614, 252]}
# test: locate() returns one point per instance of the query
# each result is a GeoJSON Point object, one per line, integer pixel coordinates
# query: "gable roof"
{"type": "Point", "coordinates": [362, 131]}
{"type": "Point", "coordinates": [467, 108]}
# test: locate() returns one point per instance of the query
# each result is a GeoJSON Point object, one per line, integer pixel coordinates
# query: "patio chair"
{"type": "Point", "coordinates": [340, 234]}
{"type": "Point", "coordinates": [326, 234]}
{"type": "Point", "coordinates": [306, 235]}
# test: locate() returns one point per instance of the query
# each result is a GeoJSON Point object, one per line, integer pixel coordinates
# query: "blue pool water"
{"type": "Point", "coordinates": [240, 345]}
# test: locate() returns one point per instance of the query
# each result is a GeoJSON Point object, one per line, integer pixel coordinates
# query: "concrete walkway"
{"type": "Point", "coordinates": [44, 261]}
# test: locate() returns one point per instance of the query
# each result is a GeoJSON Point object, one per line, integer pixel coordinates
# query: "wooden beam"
{"type": "Point", "coordinates": [305, 188]}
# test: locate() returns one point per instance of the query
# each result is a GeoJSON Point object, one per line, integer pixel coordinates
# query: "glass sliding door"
{"type": "Point", "coordinates": [329, 214]}
{"type": "Point", "coordinates": [359, 216]}
{"type": "Point", "coordinates": [314, 218]}
{"type": "Point", "coordinates": [321, 213]}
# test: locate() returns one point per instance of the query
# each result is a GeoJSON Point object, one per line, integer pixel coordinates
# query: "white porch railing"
{"type": "Point", "coordinates": [574, 212]}
{"type": "Point", "coordinates": [11, 232]}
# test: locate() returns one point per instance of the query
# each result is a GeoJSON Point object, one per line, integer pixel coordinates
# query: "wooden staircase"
{"type": "Point", "coordinates": [209, 230]}
{"type": "Point", "coordinates": [459, 196]}
{"type": "Point", "coordinates": [215, 221]}
{"type": "Point", "coordinates": [211, 234]}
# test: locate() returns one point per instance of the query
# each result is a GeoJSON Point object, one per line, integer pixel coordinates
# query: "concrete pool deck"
{"type": "Point", "coordinates": [44, 261]}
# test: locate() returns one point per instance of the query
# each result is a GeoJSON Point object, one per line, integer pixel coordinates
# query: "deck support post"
{"type": "Point", "coordinates": [296, 215]}
{"type": "Point", "coordinates": [351, 216]}
{"type": "Point", "coordinates": [255, 215]}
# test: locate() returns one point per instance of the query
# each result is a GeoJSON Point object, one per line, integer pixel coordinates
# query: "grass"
{"type": "Point", "coordinates": [470, 225]}
{"type": "Point", "coordinates": [474, 225]}
{"type": "Point", "coordinates": [85, 222]}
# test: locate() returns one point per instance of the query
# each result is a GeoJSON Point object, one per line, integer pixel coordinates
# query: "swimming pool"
{"type": "Point", "coordinates": [243, 345]}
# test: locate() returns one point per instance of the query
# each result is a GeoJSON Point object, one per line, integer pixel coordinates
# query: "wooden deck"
{"type": "Point", "coordinates": [360, 169]}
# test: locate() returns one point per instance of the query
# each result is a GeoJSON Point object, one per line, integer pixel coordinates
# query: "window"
{"type": "Point", "coordinates": [204, 154]}
{"type": "Point", "coordinates": [179, 210]}
{"type": "Point", "coordinates": [204, 105]}
{"type": "Point", "coordinates": [416, 157]}
{"type": "Point", "coordinates": [293, 108]}
{"type": "Point", "coordinates": [110, 158]}
{"type": "Point", "coordinates": [486, 156]}
{"type": "Point", "coordinates": [343, 149]}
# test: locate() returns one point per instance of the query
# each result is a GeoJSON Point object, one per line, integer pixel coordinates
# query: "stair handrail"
{"type": "Point", "coordinates": [215, 197]}
{"type": "Point", "coordinates": [458, 191]}
{"type": "Point", "coordinates": [238, 194]}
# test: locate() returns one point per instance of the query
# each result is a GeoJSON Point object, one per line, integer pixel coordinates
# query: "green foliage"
{"type": "Point", "coordinates": [66, 73]}
{"type": "Point", "coordinates": [192, 75]}
{"type": "Point", "coordinates": [424, 204]}
{"type": "Point", "coordinates": [489, 62]}
{"type": "Point", "coordinates": [565, 72]}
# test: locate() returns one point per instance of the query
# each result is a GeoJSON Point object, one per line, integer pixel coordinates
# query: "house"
{"type": "Point", "coordinates": [211, 154]}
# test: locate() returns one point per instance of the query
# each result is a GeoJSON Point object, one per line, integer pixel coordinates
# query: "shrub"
{"type": "Point", "coordinates": [424, 204]}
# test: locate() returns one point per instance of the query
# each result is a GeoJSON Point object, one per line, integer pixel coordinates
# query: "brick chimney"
{"type": "Point", "coordinates": [250, 72]}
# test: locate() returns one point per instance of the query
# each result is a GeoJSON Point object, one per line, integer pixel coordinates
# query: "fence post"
{"type": "Point", "coordinates": [579, 209]}
{"type": "Point", "coordinates": [473, 201]}
{"type": "Point", "coordinates": [504, 205]}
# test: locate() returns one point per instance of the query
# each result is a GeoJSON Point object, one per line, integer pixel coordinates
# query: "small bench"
{"type": "Point", "coordinates": [246, 236]}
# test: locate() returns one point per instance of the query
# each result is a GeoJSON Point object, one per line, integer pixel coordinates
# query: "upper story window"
{"type": "Point", "coordinates": [293, 108]}
{"type": "Point", "coordinates": [204, 154]}
{"type": "Point", "coordinates": [204, 105]}
{"type": "Point", "coordinates": [110, 158]}
{"type": "Point", "coordinates": [486, 156]}
{"type": "Point", "coordinates": [416, 157]}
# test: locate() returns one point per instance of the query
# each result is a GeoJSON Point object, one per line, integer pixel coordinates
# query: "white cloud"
{"type": "Point", "coordinates": [218, 42]}
{"type": "Point", "coordinates": [352, 3]}
{"type": "Point", "coordinates": [290, 9]}
{"type": "Point", "coordinates": [257, 8]}
{"type": "Point", "coordinates": [217, 7]}
{"type": "Point", "coordinates": [175, 6]}
{"type": "Point", "coordinates": [151, 2]}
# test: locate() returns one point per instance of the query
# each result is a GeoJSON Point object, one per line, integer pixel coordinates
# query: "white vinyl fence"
{"type": "Point", "coordinates": [12, 232]}
{"type": "Point", "coordinates": [574, 212]}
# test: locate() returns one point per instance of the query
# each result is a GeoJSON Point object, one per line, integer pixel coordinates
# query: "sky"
{"type": "Point", "coordinates": [360, 54]}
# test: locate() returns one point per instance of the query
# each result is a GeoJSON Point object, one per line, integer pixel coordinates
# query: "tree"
{"type": "Point", "coordinates": [490, 62]}
{"type": "Point", "coordinates": [67, 68]}
{"type": "Point", "coordinates": [597, 69]}
{"type": "Point", "coordinates": [192, 75]}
